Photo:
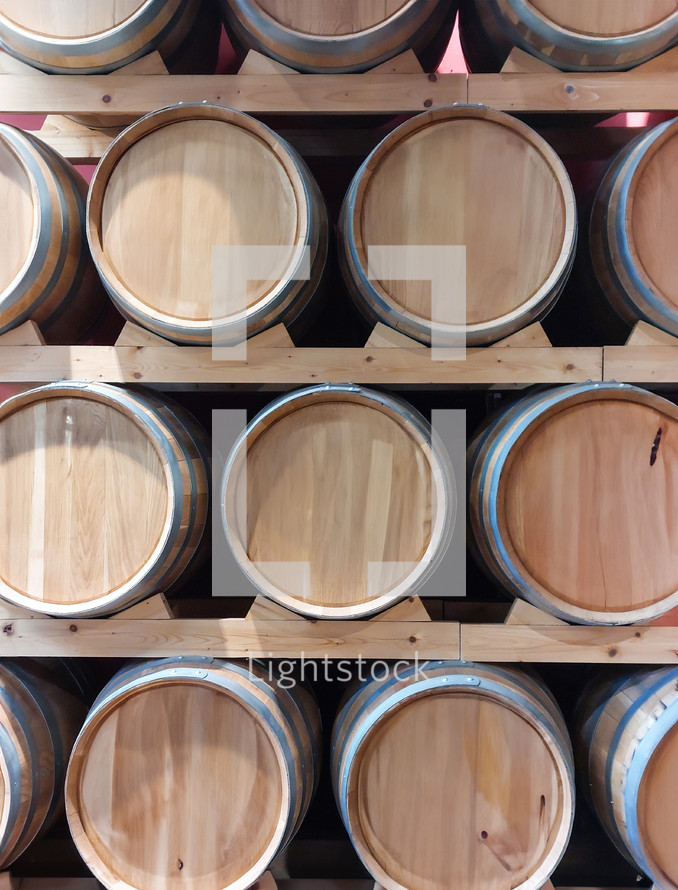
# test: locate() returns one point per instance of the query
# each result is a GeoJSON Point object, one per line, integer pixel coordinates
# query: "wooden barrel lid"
{"type": "Point", "coordinates": [605, 18]}
{"type": "Point", "coordinates": [587, 502]}
{"type": "Point", "coordinates": [174, 186]}
{"type": "Point", "coordinates": [345, 502]}
{"type": "Point", "coordinates": [331, 18]}
{"type": "Point", "coordinates": [436, 181]}
{"type": "Point", "coordinates": [18, 217]}
{"type": "Point", "coordinates": [656, 814]}
{"type": "Point", "coordinates": [86, 498]}
{"type": "Point", "coordinates": [76, 19]}
{"type": "Point", "coordinates": [457, 790]}
{"type": "Point", "coordinates": [178, 788]}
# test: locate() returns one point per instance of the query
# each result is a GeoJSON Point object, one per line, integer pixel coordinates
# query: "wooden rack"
{"type": "Point", "coordinates": [354, 94]}
{"type": "Point", "coordinates": [149, 630]}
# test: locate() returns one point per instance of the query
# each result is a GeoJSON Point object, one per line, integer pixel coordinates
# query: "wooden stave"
{"type": "Point", "coordinates": [57, 287]}
{"type": "Point", "coordinates": [159, 24]}
{"type": "Point", "coordinates": [376, 306]}
{"type": "Point", "coordinates": [290, 306]}
{"type": "Point", "coordinates": [188, 502]}
{"type": "Point", "coordinates": [352, 728]}
{"type": "Point", "coordinates": [618, 727]}
{"type": "Point", "coordinates": [441, 471]}
{"type": "Point", "coordinates": [620, 275]}
{"type": "Point", "coordinates": [490, 29]}
{"type": "Point", "coordinates": [47, 716]}
{"type": "Point", "coordinates": [418, 27]}
{"type": "Point", "coordinates": [288, 715]}
{"type": "Point", "coordinates": [486, 458]}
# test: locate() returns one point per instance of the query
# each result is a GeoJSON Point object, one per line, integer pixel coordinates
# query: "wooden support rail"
{"type": "Point", "coordinates": [228, 638]}
{"type": "Point", "coordinates": [354, 94]}
{"type": "Point", "coordinates": [276, 365]}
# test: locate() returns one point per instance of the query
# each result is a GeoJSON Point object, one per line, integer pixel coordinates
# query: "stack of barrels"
{"type": "Point", "coordinates": [205, 227]}
{"type": "Point", "coordinates": [188, 179]}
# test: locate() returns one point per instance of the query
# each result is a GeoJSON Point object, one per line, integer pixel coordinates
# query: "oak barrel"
{"type": "Point", "coordinates": [627, 740]}
{"type": "Point", "coordinates": [338, 501]}
{"type": "Point", "coordinates": [191, 773]}
{"type": "Point", "coordinates": [572, 502]}
{"type": "Point", "coordinates": [451, 774]}
{"type": "Point", "coordinates": [435, 180]}
{"type": "Point", "coordinates": [104, 493]}
{"type": "Point", "coordinates": [340, 36]}
{"type": "Point", "coordinates": [185, 180]}
{"type": "Point", "coordinates": [573, 35]}
{"type": "Point", "coordinates": [46, 272]}
{"type": "Point", "coordinates": [40, 716]}
{"type": "Point", "coordinates": [633, 218]}
{"type": "Point", "coordinates": [94, 36]}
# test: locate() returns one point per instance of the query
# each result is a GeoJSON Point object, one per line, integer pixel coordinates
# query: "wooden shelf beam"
{"type": "Point", "coordinates": [381, 93]}
{"type": "Point", "coordinates": [641, 364]}
{"type": "Point", "coordinates": [269, 638]}
{"type": "Point", "coordinates": [355, 94]}
{"type": "Point", "coordinates": [598, 92]}
{"type": "Point", "coordinates": [228, 638]}
{"type": "Point", "coordinates": [567, 644]}
{"type": "Point", "coordinates": [160, 364]}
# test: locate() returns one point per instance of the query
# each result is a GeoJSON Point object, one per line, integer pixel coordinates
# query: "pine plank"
{"type": "Point", "coordinates": [644, 334]}
{"type": "Point", "coordinates": [134, 335]}
{"type": "Point", "coordinates": [606, 92]}
{"type": "Point", "coordinates": [27, 334]}
{"type": "Point", "coordinates": [167, 364]}
{"type": "Point", "coordinates": [569, 644]}
{"type": "Point", "coordinates": [154, 607]}
{"type": "Point", "coordinates": [383, 336]}
{"type": "Point", "coordinates": [533, 335]}
{"type": "Point", "coordinates": [264, 609]}
{"type": "Point", "coordinates": [520, 62]}
{"type": "Point", "coordinates": [229, 638]}
{"type": "Point", "coordinates": [411, 609]}
{"type": "Point", "coordinates": [525, 613]}
{"type": "Point", "coordinates": [641, 364]}
{"type": "Point", "coordinates": [257, 94]}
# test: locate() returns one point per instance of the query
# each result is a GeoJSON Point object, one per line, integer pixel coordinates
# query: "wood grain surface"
{"type": "Point", "coordinates": [482, 766]}
{"type": "Point", "coordinates": [85, 499]}
{"type": "Point", "coordinates": [329, 17]}
{"type": "Point", "coordinates": [153, 364]}
{"type": "Point", "coordinates": [605, 18]}
{"type": "Point", "coordinates": [17, 215]}
{"type": "Point", "coordinates": [336, 504]}
{"type": "Point", "coordinates": [180, 749]}
{"type": "Point", "coordinates": [81, 18]}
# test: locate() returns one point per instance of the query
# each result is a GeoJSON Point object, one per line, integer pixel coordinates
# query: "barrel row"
{"type": "Point", "coordinates": [338, 36]}
{"type": "Point", "coordinates": [214, 270]}
{"type": "Point", "coordinates": [444, 773]}
{"type": "Point", "coordinates": [337, 501]}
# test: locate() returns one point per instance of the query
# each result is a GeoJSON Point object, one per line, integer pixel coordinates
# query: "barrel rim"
{"type": "Point", "coordinates": [179, 675]}
{"type": "Point", "coordinates": [442, 481]}
{"type": "Point", "coordinates": [257, 16]}
{"type": "Point", "coordinates": [88, 40]}
{"type": "Point", "coordinates": [636, 774]}
{"type": "Point", "coordinates": [382, 303]}
{"type": "Point", "coordinates": [629, 179]}
{"type": "Point", "coordinates": [133, 304]}
{"type": "Point", "coordinates": [115, 398]}
{"type": "Point", "coordinates": [7, 134]}
{"type": "Point", "coordinates": [336, 54]}
{"type": "Point", "coordinates": [362, 730]}
{"type": "Point", "coordinates": [528, 14]}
